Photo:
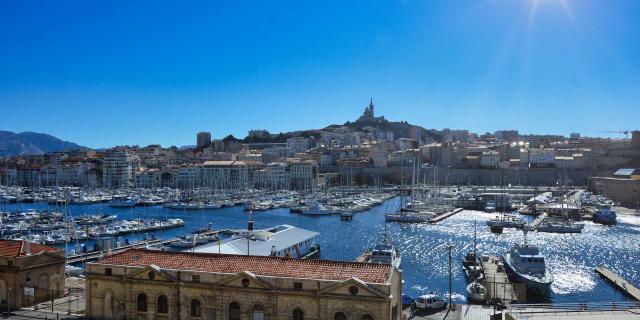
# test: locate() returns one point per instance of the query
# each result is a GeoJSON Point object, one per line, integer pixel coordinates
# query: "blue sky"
{"type": "Point", "coordinates": [103, 73]}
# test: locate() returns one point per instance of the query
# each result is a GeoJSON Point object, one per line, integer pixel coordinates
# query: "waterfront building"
{"type": "Point", "coordinates": [30, 273]}
{"type": "Point", "coordinates": [275, 176]}
{"type": "Point", "coordinates": [304, 173]}
{"type": "Point", "coordinates": [118, 168]}
{"type": "Point", "coordinates": [229, 175]}
{"type": "Point", "coordinates": [189, 176]}
{"type": "Point", "coordinates": [203, 140]}
{"type": "Point", "coordinates": [149, 284]}
{"type": "Point", "coordinates": [147, 178]}
{"type": "Point", "coordinates": [489, 159]}
{"type": "Point", "coordinates": [278, 241]}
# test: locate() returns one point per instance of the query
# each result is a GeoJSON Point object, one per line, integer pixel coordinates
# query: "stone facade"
{"type": "Point", "coordinates": [125, 292]}
{"type": "Point", "coordinates": [29, 274]}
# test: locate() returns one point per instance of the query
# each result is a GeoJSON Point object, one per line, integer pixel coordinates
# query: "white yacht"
{"type": "Point", "coordinates": [604, 214]}
{"type": "Point", "coordinates": [490, 207]}
{"type": "Point", "coordinates": [526, 265]}
{"type": "Point", "coordinates": [476, 292]}
{"type": "Point", "coordinates": [123, 202]}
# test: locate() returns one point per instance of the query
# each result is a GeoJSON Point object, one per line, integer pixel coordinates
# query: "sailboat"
{"type": "Point", "coordinates": [476, 292]}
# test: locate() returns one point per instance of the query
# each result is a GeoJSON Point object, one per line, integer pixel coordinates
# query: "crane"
{"type": "Point", "coordinates": [625, 132]}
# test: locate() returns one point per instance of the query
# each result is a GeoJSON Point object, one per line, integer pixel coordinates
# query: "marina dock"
{"type": "Point", "coordinates": [443, 216]}
{"type": "Point", "coordinates": [498, 285]}
{"type": "Point", "coordinates": [619, 283]}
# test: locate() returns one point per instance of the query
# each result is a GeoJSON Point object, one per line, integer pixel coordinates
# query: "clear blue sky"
{"type": "Point", "coordinates": [102, 73]}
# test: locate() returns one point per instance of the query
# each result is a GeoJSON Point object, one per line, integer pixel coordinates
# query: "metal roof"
{"type": "Point", "coordinates": [285, 236]}
{"type": "Point", "coordinates": [624, 172]}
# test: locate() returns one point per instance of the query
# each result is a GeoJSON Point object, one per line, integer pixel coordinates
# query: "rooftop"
{"type": "Point", "coordinates": [13, 248]}
{"type": "Point", "coordinates": [258, 265]}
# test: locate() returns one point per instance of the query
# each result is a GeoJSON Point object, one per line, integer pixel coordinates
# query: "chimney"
{"type": "Point", "coordinates": [26, 247]}
{"type": "Point", "coordinates": [107, 245]}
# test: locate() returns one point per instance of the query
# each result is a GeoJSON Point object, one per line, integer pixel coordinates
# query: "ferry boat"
{"type": "Point", "coordinates": [604, 214]}
{"type": "Point", "coordinates": [525, 264]}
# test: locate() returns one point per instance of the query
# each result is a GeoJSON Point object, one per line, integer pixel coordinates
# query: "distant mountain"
{"type": "Point", "coordinates": [31, 143]}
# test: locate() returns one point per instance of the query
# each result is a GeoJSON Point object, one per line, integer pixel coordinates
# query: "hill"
{"type": "Point", "coordinates": [31, 143]}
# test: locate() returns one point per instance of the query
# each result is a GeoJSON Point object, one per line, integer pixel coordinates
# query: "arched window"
{"type": "Point", "coordinates": [297, 314]}
{"type": "Point", "coordinates": [234, 311]}
{"type": "Point", "coordinates": [257, 313]}
{"type": "Point", "coordinates": [366, 317]}
{"type": "Point", "coordinates": [196, 308]}
{"type": "Point", "coordinates": [142, 302]}
{"type": "Point", "coordinates": [163, 304]}
{"type": "Point", "coordinates": [339, 316]}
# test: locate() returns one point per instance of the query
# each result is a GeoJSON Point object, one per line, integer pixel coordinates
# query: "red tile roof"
{"type": "Point", "coordinates": [13, 248]}
{"type": "Point", "coordinates": [259, 265]}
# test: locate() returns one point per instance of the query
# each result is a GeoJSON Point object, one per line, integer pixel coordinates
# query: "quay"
{"type": "Point", "coordinates": [619, 283]}
{"type": "Point", "coordinates": [445, 215]}
{"type": "Point", "coordinates": [498, 285]}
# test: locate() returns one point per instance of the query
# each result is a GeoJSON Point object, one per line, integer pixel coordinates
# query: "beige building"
{"type": "Point", "coordinates": [29, 273]}
{"type": "Point", "coordinates": [149, 284]}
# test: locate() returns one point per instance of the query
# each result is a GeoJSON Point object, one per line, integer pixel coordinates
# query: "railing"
{"type": "Point", "coordinates": [523, 311]}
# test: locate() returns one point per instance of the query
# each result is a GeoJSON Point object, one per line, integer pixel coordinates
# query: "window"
{"type": "Point", "coordinates": [142, 302]}
{"type": "Point", "coordinates": [353, 290]}
{"type": "Point", "coordinates": [107, 271]}
{"type": "Point", "coordinates": [152, 275]}
{"type": "Point", "coordinates": [196, 308]}
{"type": "Point", "coordinates": [297, 314]}
{"type": "Point", "coordinates": [245, 282]}
{"type": "Point", "coordinates": [339, 316]}
{"type": "Point", "coordinates": [163, 304]}
{"type": "Point", "coordinates": [10, 263]}
{"type": "Point", "coordinates": [297, 286]}
{"type": "Point", "coordinates": [366, 317]}
{"type": "Point", "coordinates": [195, 278]}
{"type": "Point", "coordinates": [257, 313]}
{"type": "Point", "coordinates": [234, 311]}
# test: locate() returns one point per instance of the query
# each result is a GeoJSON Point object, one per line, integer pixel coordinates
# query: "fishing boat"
{"type": "Point", "coordinates": [604, 214]}
{"type": "Point", "coordinates": [384, 252]}
{"type": "Point", "coordinates": [525, 264]}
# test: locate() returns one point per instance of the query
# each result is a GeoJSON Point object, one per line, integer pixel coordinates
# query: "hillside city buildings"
{"type": "Point", "coordinates": [349, 154]}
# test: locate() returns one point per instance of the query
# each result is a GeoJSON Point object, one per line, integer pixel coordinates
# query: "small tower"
{"type": "Point", "coordinates": [371, 113]}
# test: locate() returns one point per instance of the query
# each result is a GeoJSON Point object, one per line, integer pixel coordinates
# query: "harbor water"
{"type": "Point", "coordinates": [570, 257]}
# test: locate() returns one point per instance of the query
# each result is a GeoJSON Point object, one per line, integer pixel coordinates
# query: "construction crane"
{"type": "Point", "coordinates": [625, 132]}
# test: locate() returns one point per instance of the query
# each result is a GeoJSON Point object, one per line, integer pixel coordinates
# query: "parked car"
{"type": "Point", "coordinates": [430, 302]}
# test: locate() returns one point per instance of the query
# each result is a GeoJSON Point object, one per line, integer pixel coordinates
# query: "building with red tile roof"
{"type": "Point", "coordinates": [30, 273]}
{"type": "Point", "coordinates": [142, 283]}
